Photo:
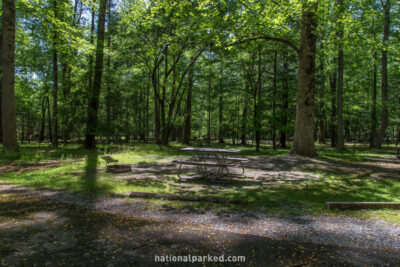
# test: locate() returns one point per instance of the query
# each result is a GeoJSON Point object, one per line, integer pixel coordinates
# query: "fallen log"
{"type": "Point", "coordinates": [389, 160]}
{"type": "Point", "coordinates": [186, 198]}
{"type": "Point", "coordinates": [362, 205]}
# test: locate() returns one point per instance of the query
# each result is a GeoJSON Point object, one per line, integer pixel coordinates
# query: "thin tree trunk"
{"type": "Point", "coordinates": [43, 121]}
{"type": "Point", "coordinates": [50, 132]}
{"type": "Point", "coordinates": [244, 128]}
{"type": "Point", "coordinates": [54, 141]}
{"type": "Point", "coordinates": [285, 105]}
{"type": "Point", "coordinates": [92, 28]}
{"type": "Point", "coordinates": [340, 139]}
{"type": "Point", "coordinates": [384, 77]}
{"type": "Point", "coordinates": [257, 109]}
{"type": "Point", "coordinates": [94, 97]}
{"type": "Point", "coordinates": [1, 75]}
{"type": "Point", "coordinates": [9, 124]}
{"type": "Point", "coordinates": [332, 80]}
{"type": "Point", "coordinates": [374, 116]}
{"type": "Point", "coordinates": [321, 133]}
{"type": "Point", "coordinates": [209, 110]}
{"type": "Point", "coordinates": [108, 88]}
{"type": "Point", "coordinates": [188, 111]}
{"type": "Point", "coordinates": [303, 143]}
{"type": "Point", "coordinates": [220, 120]}
{"type": "Point", "coordinates": [273, 101]}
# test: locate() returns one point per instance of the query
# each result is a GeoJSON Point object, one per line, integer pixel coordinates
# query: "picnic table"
{"type": "Point", "coordinates": [207, 158]}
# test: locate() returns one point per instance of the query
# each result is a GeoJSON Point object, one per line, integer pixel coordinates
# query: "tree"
{"type": "Point", "coordinates": [303, 142]}
{"type": "Point", "coordinates": [340, 140]}
{"type": "Point", "coordinates": [8, 80]}
{"type": "Point", "coordinates": [94, 94]}
{"type": "Point", "coordinates": [384, 74]}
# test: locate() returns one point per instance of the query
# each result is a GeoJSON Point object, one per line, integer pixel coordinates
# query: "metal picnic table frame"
{"type": "Point", "coordinates": [211, 157]}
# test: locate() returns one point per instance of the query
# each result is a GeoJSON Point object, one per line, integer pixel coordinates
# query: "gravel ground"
{"type": "Point", "coordinates": [324, 230]}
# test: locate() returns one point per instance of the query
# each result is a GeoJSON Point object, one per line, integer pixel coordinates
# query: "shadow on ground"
{"type": "Point", "coordinates": [39, 230]}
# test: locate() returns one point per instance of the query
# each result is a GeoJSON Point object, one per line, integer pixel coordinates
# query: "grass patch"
{"type": "Point", "coordinates": [335, 183]}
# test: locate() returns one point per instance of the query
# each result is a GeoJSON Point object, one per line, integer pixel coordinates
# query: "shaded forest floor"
{"type": "Point", "coordinates": [283, 220]}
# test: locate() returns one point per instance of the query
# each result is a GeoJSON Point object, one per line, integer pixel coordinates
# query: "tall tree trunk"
{"type": "Point", "coordinates": [273, 101]}
{"type": "Point", "coordinates": [384, 76]}
{"type": "Point", "coordinates": [220, 120]}
{"type": "Point", "coordinates": [244, 128]}
{"type": "Point", "coordinates": [303, 143]}
{"type": "Point", "coordinates": [188, 111]}
{"type": "Point", "coordinates": [9, 125]}
{"type": "Point", "coordinates": [94, 96]}
{"type": "Point", "coordinates": [332, 81]}
{"type": "Point", "coordinates": [374, 116]}
{"type": "Point", "coordinates": [92, 28]}
{"type": "Point", "coordinates": [285, 106]}
{"type": "Point", "coordinates": [257, 103]}
{"type": "Point", "coordinates": [108, 88]}
{"type": "Point", "coordinates": [209, 110]}
{"type": "Point", "coordinates": [1, 75]}
{"type": "Point", "coordinates": [340, 139]}
{"type": "Point", "coordinates": [43, 121]}
{"type": "Point", "coordinates": [321, 132]}
{"type": "Point", "coordinates": [54, 141]}
{"type": "Point", "coordinates": [147, 108]}
{"type": "Point", "coordinates": [157, 124]}
{"type": "Point", "coordinates": [50, 132]}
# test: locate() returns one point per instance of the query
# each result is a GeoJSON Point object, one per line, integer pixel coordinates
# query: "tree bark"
{"type": "Point", "coordinates": [94, 96]}
{"type": "Point", "coordinates": [244, 128]}
{"type": "Point", "coordinates": [257, 103]}
{"type": "Point", "coordinates": [92, 28]}
{"type": "Point", "coordinates": [1, 75]}
{"type": "Point", "coordinates": [285, 105]}
{"type": "Point", "coordinates": [220, 120]}
{"type": "Point", "coordinates": [273, 101]}
{"type": "Point", "coordinates": [374, 116]}
{"type": "Point", "coordinates": [332, 81]}
{"type": "Point", "coordinates": [9, 125]}
{"type": "Point", "coordinates": [54, 141]}
{"type": "Point", "coordinates": [188, 112]}
{"type": "Point", "coordinates": [303, 143]}
{"type": "Point", "coordinates": [108, 88]}
{"type": "Point", "coordinates": [340, 67]}
{"type": "Point", "coordinates": [43, 122]}
{"type": "Point", "coordinates": [384, 76]}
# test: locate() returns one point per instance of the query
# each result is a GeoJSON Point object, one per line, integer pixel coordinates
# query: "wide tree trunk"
{"type": "Point", "coordinates": [188, 112]}
{"type": "Point", "coordinates": [384, 77]}
{"type": "Point", "coordinates": [94, 95]}
{"type": "Point", "coordinates": [303, 143]}
{"type": "Point", "coordinates": [340, 139]}
{"type": "Point", "coordinates": [9, 125]}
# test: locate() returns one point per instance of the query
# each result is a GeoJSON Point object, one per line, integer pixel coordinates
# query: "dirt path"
{"type": "Point", "coordinates": [60, 229]}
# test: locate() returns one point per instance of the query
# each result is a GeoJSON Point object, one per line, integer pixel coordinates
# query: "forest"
{"type": "Point", "coordinates": [283, 72]}
{"type": "Point", "coordinates": [169, 132]}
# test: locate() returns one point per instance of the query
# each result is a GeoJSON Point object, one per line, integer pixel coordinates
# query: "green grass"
{"type": "Point", "coordinates": [335, 184]}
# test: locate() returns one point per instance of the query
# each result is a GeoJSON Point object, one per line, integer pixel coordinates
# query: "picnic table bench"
{"type": "Point", "coordinates": [108, 161]}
